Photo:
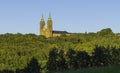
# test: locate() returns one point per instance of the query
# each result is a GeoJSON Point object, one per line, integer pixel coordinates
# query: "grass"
{"type": "Point", "coordinates": [109, 69]}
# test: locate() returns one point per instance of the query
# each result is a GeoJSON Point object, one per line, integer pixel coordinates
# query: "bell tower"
{"type": "Point", "coordinates": [49, 26]}
{"type": "Point", "coordinates": [42, 26]}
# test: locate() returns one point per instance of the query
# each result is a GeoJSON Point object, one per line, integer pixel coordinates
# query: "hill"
{"type": "Point", "coordinates": [83, 50]}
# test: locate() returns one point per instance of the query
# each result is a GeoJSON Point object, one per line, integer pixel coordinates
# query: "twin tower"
{"type": "Point", "coordinates": [46, 31]}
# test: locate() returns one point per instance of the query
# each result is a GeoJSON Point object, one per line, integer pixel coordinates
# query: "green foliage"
{"type": "Point", "coordinates": [101, 56]}
{"type": "Point", "coordinates": [83, 59]}
{"type": "Point", "coordinates": [52, 60]}
{"type": "Point", "coordinates": [56, 61]}
{"type": "Point", "coordinates": [61, 62]}
{"type": "Point", "coordinates": [76, 51]}
{"type": "Point", "coordinates": [71, 59]}
{"type": "Point", "coordinates": [106, 31]}
{"type": "Point", "coordinates": [33, 66]}
{"type": "Point", "coordinates": [108, 69]}
{"type": "Point", "coordinates": [115, 56]}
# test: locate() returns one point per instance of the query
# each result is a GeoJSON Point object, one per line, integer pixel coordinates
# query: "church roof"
{"type": "Point", "coordinates": [59, 32]}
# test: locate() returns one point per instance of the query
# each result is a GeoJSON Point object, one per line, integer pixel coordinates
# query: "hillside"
{"type": "Point", "coordinates": [19, 52]}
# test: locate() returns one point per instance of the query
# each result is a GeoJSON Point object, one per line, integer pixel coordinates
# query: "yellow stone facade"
{"type": "Point", "coordinates": [48, 31]}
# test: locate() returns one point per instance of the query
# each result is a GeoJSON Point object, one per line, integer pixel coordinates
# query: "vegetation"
{"type": "Point", "coordinates": [109, 69]}
{"type": "Point", "coordinates": [30, 53]}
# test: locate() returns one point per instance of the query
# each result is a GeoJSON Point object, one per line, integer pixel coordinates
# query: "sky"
{"type": "Point", "coordinates": [75, 16]}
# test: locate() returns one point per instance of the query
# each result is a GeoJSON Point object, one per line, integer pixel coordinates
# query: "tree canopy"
{"type": "Point", "coordinates": [19, 52]}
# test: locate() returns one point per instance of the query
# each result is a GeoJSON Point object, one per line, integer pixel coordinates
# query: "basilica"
{"type": "Point", "coordinates": [48, 31]}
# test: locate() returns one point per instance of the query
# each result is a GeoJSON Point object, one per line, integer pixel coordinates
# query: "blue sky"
{"type": "Point", "coordinates": [23, 16]}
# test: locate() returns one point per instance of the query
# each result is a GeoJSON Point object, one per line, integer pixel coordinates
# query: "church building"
{"type": "Point", "coordinates": [48, 31]}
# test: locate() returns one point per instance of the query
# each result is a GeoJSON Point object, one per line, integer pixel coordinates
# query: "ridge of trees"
{"type": "Point", "coordinates": [30, 53]}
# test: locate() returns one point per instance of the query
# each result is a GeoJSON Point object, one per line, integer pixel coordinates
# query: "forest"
{"type": "Point", "coordinates": [31, 53]}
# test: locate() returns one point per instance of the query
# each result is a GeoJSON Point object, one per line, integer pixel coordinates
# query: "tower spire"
{"type": "Point", "coordinates": [50, 18]}
{"type": "Point", "coordinates": [42, 18]}
{"type": "Point", "coordinates": [49, 26]}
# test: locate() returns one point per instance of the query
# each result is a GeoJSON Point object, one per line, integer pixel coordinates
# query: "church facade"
{"type": "Point", "coordinates": [48, 31]}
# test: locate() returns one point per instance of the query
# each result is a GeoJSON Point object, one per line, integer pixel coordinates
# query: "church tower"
{"type": "Point", "coordinates": [42, 26]}
{"type": "Point", "coordinates": [46, 31]}
{"type": "Point", "coordinates": [49, 26]}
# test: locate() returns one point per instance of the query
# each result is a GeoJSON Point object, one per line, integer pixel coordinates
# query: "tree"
{"type": "Point", "coordinates": [52, 60]}
{"type": "Point", "coordinates": [115, 56]}
{"type": "Point", "coordinates": [83, 59]}
{"type": "Point", "coordinates": [71, 59]}
{"type": "Point", "coordinates": [107, 31]}
{"type": "Point", "coordinates": [62, 65]}
{"type": "Point", "coordinates": [33, 66]}
{"type": "Point", "coordinates": [101, 56]}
